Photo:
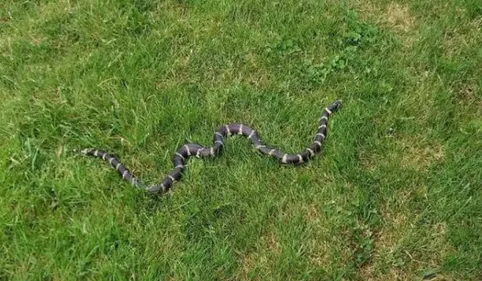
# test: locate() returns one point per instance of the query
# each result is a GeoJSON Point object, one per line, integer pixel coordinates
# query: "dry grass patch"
{"type": "Point", "coordinates": [458, 39]}
{"type": "Point", "coordinates": [311, 214]}
{"type": "Point", "coordinates": [5, 44]}
{"type": "Point", "coordinates": [369, 273]}
{"type": "Point", "coordinates": [469, 95]}
{"type": "Point", "coordinates": [248, 262]}
{"type": "Point", "coordinates": [394, 257]}
{"type": "Point", "coordinates": [394, 16]}
{"type": "Point", "coordinates": [319, 244]}
{"type": "Point", "coordinates": [398, 17]}
{"type": "Point", "coordinates": [400, 21]}
{"type": "Point", "coordinates": [259, 260]}
{"type": "Point", "coordinates": [468, 92]}
{"type": "Point", "coordinates": [400, 274]}
{"type": "Point", "coordinates": [407, 152]}
{"type": "Point", "coordinates": [417, 153]}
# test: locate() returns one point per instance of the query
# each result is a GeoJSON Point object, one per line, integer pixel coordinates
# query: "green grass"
{"type": "Point", "coordinates": [395, 195]}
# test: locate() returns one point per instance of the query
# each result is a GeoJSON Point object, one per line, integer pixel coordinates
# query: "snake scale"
{"type": "Point", "coordinates": [192, 149]}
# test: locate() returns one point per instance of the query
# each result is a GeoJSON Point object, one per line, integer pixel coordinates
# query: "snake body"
{"type": "Point", "coordinates": [186, 151]}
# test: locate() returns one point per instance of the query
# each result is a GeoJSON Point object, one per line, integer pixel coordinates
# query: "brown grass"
{"type": "Point", "coordinates": [458, 39]}
{"type": "Point", "coordinates": [398, 17]}
{"type": "Point", "coordinates": [389, 246]}
{"type": "Point", "coordinates": [418, 153]}
{"type": "Point", "coordinates": [469, 95]}
{"type": "Point", "coordinates": [260, 258]}
{"type": "Point", "coordinates": [410, 152]}
{"type": "Point", "coordinates": [394, 16]}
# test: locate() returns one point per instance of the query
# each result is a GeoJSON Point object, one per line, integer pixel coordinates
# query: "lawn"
{"type": "Point", "coordinates": [396, 193]}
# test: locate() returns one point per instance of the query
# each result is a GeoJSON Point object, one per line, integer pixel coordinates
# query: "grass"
{"type": "Point", "coordinates": [395, 195]}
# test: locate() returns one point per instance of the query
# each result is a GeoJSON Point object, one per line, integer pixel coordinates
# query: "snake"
{"type": "Point", "coordinates": [184, 152]}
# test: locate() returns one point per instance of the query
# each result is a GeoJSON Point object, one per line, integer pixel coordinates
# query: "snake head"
{"type": "Point", "coordinates": [335, 106]}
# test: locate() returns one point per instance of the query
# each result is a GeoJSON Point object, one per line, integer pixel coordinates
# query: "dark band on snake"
{"type": "Point", "coordinates": [191, 149]}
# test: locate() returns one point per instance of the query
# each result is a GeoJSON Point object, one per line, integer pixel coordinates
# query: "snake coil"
{"type": "Point", "coordinates": [192, 149]}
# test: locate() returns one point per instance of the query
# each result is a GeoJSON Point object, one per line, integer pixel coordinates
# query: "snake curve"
{"type": "Point", "coordinates": [193, 149]}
